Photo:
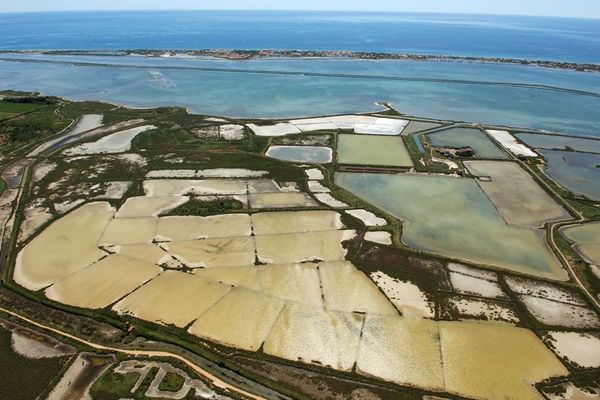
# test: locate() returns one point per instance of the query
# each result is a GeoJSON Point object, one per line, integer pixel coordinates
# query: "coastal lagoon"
{"type": "Point", "coordinates": [577, 172]}
{"type": "Point", "coordinates": [281, 88]}
{"type": "Point", "coordinates": [454, 218]}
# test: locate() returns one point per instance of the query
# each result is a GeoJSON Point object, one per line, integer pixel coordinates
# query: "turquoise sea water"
{"type": "Point", "coordinates": [468, 35]}
{"type": "Point", "coordinates": [284, 88]}
{"type": "Point", "coordinates": [521, 96]}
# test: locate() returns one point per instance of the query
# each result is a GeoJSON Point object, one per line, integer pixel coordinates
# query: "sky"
{"type": "Point", "coordinates": [566, 8]}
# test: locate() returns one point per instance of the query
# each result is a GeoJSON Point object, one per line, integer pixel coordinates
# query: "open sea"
{"type": "Point", "coordinates": [560, 39]}
{"type": "Point", "coordinates": [523, 96]}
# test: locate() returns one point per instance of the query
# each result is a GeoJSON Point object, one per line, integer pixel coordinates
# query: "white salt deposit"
{"type": "Point", "coordinates": [382, 126]}
{"type": "Point", "coordinates": [363, 124]}
{"type": "Point", "coordinates": [42, 169]}
{"type": "Point", "coordinates": [117, 142]}
{"type": "Point", "coordinates": [467, 284]}
{"type": "Point", "coordinates": [317, 187]}
{"type": "Point", "coordinates": [554, 313]}
{"type": "Point", "coordinates": [33, 347]}
{"type": "Point", "coordinates": [478, 273]}
{"type": "Point", "coordinates": [509, 142]}
{"type": "Point", "coordinates": [229, 173]}
{"type": "Point", "coordinates": [35, 216]}
{"type": "Point", "coordinates": [580, 348]}
{"type": "Point", "coordinates": [179, 187]}
{"type": "Point", "coordinates": [572, 392]}
{"type": "Point", "coordinates": [449, 163]}
{"type": "Point", "coordinates": [133, 158]}
{"type": "Point", "coordinates": [367, 217]}
{"type": "Point", "coordinates": [114, 190]}
{"type": "Point", "coordinates": [280, 129]}
{"type": "Point", "coordinates": [172, 173]}
{"type": "Point", "coordinates": [325, 126]}
{"type": "Point", "coordinates": [405, 295]}
{"type": "Point", "coordinates": [67, 205]}
{"type": "Point", "coordinates": [380, 237]}
{"type": "Point", "coordinates": [329, 200]}
{"type": "Point", "coordinates": [206, 173]}
{"type": "Point", "coordinates": [231, 132]}
{"type": "Point", "coordinates": [492, 311]}
{"type": "Point", "coordinates": [314, 174]}
{"type": "Point", "coordinates": [544, 290]}
{"type": "Point", "coordinates": [86, 122]}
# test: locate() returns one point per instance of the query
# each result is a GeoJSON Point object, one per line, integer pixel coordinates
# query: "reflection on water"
{"type": "Point", "coordinates": [311, 154]}
{"type": "Point", "coordinates": [560, 142]}
{"type": "Point", "coordinates": [578, 172]}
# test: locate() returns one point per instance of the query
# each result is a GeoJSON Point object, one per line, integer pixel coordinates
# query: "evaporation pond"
{"type": "Point", "coordinates": [578, 172]}
{"type": "Point", "coordinates": [311, 154]}
{"type": "Point", "coordinates": [373, 150]}
{"type": "Point", "coordinates": [557, 142]}
{"type": "Point", "coordinates": [481, 144]}
{"type": "Point", "coordinates": [453, 217]}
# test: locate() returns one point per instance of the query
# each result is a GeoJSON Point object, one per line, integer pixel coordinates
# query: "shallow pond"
{"type": "Point", "coordinates": [559, 142]}
{"type": "Point", "coordinates": [453, 217]}
{"type": "Point", "coordinates": [577, 172]}
{"type": "Point", "coordinates": [586, 240]}
{"type": "Point", "coordinates": [419, 126]}
{"type": "Point", "coordinates": [373, 150]}
{"type": "Point", "coordinates": [310, 154]}
{"type": "Point", "coordinates": [461, 137]}
{"type": "Point", "coordinates": [518, 198]}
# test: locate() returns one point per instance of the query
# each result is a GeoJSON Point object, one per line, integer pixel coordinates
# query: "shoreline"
{"type": "Point", "coordinates": [383, 106]}
{"type": "Point", "coordinates": [245, 55]}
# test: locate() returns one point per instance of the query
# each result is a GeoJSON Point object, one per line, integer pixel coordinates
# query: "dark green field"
{"type": "Point", "coordinates": [10, 109]}
{"type": "Point", "coordinates": [22, 378]}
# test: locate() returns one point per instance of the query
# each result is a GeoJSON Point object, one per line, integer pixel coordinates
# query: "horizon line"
{"type": "Point", "coordinates": [302, 10]}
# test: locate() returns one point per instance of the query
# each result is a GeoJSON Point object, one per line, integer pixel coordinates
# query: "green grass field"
{"type": "Point", "coordinates": [9, 109]}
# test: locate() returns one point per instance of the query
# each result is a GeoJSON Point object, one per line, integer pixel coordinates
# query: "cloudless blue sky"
{"type": "Point", "coordinates": [567, 8]}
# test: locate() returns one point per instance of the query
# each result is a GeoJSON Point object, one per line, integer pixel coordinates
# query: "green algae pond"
{"type": "Point", "coordinates": [481, 144]}
{"type": "Point", "coordinates": [388, 151]}
{"type": "Point", "coordinates": [453, 217]}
